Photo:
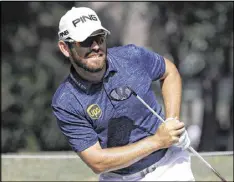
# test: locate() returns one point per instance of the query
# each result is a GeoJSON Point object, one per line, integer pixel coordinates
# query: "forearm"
{"type": "Point", "coordinates": [171, 92]}
{"type": "Point", "coordinates": [110, 159]}
{"type": "Point", "coordinates": [120, 157]}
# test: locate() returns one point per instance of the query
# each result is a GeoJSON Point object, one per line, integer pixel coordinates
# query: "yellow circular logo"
{"type": "Point", "coordinates": [94, 111]}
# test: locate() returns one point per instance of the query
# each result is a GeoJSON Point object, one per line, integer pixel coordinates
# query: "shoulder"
{"type": "Point", "coordinates": [132, 52]}
{"type": "Point", "coordinates": [61, 93]}
{"type": "Point", "coordinates": [64, 96]}
{"type": "Point", "coordinates": [122, 49]}
{"type": "Point", "coordinates": [127, 54]}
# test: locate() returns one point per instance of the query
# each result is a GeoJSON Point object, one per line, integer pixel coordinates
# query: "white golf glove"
{"type": "Point", "coordinates": [184, 141]}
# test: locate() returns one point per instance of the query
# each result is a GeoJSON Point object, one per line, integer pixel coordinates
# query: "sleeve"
{"type": "Point", "coordinates": [153, 63]}
{"type": "Point", "coordinates": [77, 129]}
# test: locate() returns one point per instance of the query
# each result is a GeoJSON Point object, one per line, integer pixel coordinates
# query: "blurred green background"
{"type": "Point", "coordinates": [196, 36]}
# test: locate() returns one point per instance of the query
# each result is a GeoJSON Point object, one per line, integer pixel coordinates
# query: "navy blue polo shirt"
{"type": "Point", "coordinates": [86, 114]}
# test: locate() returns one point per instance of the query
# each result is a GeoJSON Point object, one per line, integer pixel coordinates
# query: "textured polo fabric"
{"type": "Point", "coordinates": [86, 114]}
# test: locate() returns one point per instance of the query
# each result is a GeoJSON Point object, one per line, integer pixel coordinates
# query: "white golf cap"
{"type": "Point", "coordinates": [79, 23]}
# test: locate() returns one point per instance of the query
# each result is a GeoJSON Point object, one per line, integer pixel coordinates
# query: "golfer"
{"type": "Point", "coordinates": [121, 140]}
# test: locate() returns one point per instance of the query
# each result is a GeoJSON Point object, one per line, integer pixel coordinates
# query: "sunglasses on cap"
{"type": "Point", "coordinates": [98, 38]}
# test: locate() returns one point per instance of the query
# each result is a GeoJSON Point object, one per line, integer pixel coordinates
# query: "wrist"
{"type": "Point", "coordinates": [170, 118]}
{"type": "Point", "coordinates": [154, 143]}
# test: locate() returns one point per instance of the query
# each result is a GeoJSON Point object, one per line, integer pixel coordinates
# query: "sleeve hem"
{"type": "Point", "coordinates": [76, 149]}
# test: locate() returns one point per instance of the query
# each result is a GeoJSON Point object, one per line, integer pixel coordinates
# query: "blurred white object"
{"type": "Point", "coordinates": [194, 132]}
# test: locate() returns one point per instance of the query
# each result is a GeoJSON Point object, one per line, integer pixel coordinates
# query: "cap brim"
{"type": "Point", "coordinates": [81, 37]}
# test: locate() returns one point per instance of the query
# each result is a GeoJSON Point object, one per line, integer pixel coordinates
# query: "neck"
{"type": "Point", "coordinates": [89, 76]}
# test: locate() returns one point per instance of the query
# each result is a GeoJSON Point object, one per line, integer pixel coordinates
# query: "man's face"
{"type": "Point", "coordinates": [91, 53]}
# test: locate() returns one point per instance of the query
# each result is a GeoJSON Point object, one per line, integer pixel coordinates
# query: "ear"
{"type": "Point", "coordinates": [64, 48]}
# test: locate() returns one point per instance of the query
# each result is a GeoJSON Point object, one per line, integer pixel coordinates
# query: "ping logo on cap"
{"type": "Point", "coordinates": [94, 111]}
{"type": "Point", "coordinates": [64, 33]}
{"type": "Point", "coordinates": [83, 19]}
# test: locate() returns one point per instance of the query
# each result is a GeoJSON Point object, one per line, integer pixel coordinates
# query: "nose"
{"type": "Point", "coordinates": [95, 45]}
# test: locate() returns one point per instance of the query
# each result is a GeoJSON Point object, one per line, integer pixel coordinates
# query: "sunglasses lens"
{"type": "Point", "coordinates": [86, 43]}
{"type": "Point", "coordinates": [100, 39]}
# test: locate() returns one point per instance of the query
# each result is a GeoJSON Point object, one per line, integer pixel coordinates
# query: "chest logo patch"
{"type": "Point", "coordinates": [94, 111]}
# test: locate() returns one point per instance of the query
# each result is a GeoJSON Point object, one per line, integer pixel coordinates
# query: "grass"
{"type": "Point", "coordinates": [73, 169]}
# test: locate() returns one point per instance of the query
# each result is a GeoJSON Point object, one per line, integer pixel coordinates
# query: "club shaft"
{"type": "Point", "coordinates": [190, 148]}
{"type": "Point", "coordinates": [207, 164]}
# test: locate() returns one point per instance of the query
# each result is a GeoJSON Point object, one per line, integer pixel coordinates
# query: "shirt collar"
{"type": "Point", "coordinates": [84, 85]}
{"type": "Point", "coordinates": [87, 86]}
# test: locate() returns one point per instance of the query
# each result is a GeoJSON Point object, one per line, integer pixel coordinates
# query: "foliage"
{"type": "Point", "coordinates": [196, 36]}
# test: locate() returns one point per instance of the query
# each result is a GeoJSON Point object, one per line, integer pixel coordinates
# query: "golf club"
{"type": "Point", "coordinates": [123, 93]}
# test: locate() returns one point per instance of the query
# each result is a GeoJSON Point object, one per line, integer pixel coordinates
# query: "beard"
{"type": "Point", "coordinates": [83, 64]}
{"type": "Point", "coordinates": [87, 68]}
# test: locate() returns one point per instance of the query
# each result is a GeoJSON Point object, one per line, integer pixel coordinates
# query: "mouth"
{"type": "Point", "coordinates": [95, 55]}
